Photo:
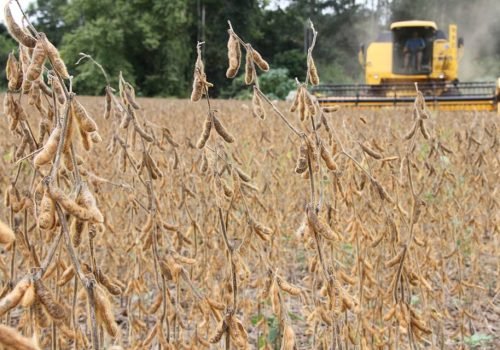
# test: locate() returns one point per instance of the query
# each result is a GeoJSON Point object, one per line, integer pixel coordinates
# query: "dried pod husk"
{"type": "Point", "coordinates": [330, 109]}
{"type": "Point", "coordinates": [275, 299]}
{"type": "Point", "coordinates": [76, 229]}
{"type": "Point", "coordinates": [259, 61]}
{"type": "Point", "coordinates": [183, 259]}
{"type": "Point", "coordinates": [41, 318]}
{"type": "Point", "coordinates": [371, 152]}
{"type": "Point", "coordinates": [13, 72]}
{"type": "Point", "coordinates": [47, 216]}
{"type": "Point", "coordinates": [199, 82]}
{"type": "Point", "coordinates": [7, 236]}
{"type": "Point", "coordinates": [310, 106]}
{"type": "Point", "coordinates": [175, 268]}
{"type": "Point", "coordinates": [13, 199]}
{"type": "Point", "coordinates": [396, 259]}
{"type": "Point", "coordinates": [35, 96]}
{"type": "Point", "coordinates": [107, 282]}
{"type": "Point", "coordinates": [54, 309]}
{"type": "Point", "coordinates": [301, 104]}
{"type": "Point", "coordinates": [44, 88]}
{"type": "Point", "coordinates": [197, 92]}
{"type": "Point", "coordinates": [49, 149]}
{"type": "Point", "coordinates": [15, 30]}
{"type": "Point", "coordinates": [151, 164]}
{"type": "Point", "coordinates": [16, 113]}
{"type": "Point", "coordinates": [36, 66]}
{"type": "Point", "coordinates": [346, 278]}
{"type": "Point", "coordinates": [66, 276]}
{"type": "Point", "coordinates": [312, 71]}
{"type": "Point", "coordinates": [20, 149]}
{"type": "Point", "coordinates": [54, 57]}
{"type": "Point", "coordinates": [249, 68]}
{"type": "Point", "coordinates": [234, 55]}
{"type": "Point", "coordinates": [258, 106]}
{"type": "Point", "coordinates": [85, 122]}
{"type": "Point", "coordinates": [29, 296]}
{"type": "Point", "coordinates": [301, 164]}
{"type": "Point", "coordinates": [242, 175]}
{"type": "Point", "coordinates": [43, 129]}
{"type": "Point", "coordinates": [85, 139]}
{"type": "Point", "coordinates": [296, 99]}
{"type": "Point", "coordinates": [410, 133]}
{"type": "Point", "coordinates": [330, 163]}
{"type": "Point", "coordinates": [149, 338]}
{"type": "Point", "coordinates": [228, 191]}
{"type": "Point", "coordinates": [24, 58]}
{"type": "Point", "coordinates": [319, 226]}
{"type": "Point", "coordinates": [12, 339]}
{"type": "Point", "coordinates": [390, 313]}
{"type": "Point", "coordinates": [14, 297]}
{"type": "Point", "coordinates": [19, 111]}
{"type": "Point", "coordinates": [207, 127]}
{"type": "Point", "coordinates": [204, 164]}
{"type": "Point", "coordinates": [87, 200]}
{"type": "Point", "coordinates": [129, 94]}
{"type": "Point", "coordinates": [104, 310]}
{"type": "Point", "coordinates": [58, 89]}
{"type": "Point", "coordinates": [423, 129]}
{"type": "Point", "coordinates": [238, 333]}
{"type": "Point", "coordinates": [95, 137]}
{"type": "Point", "coordinates": [382, 191]}
{"type": "Point", "coordinates": [72, 207]}
{"type": "Point", "coordinates": [221, 130]}
{"type": "Point", "coordinates": [262, 231]}
{"type": "Point", "coordinates": [222, 328]}
{"type": "Point", "coordinates": [288, 342]}
{"type": "Point", "coordinates": [108, 102]}
{"type": "Point", "coordinates": [417, 323]}
{"type": "Point", "coordinates": [215, 304]}
{"type": "Point", "coordinates": [9, 105]}
{"type": "Point", "coordinates": [288, 287]}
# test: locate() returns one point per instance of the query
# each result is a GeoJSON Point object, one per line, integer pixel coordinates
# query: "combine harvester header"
{"type": "Point", "coordinates": [413, 52]}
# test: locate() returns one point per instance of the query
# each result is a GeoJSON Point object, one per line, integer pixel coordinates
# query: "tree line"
{"type": "Point", "coordinates": [153, 41]}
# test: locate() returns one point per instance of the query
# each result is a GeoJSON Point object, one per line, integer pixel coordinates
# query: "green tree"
{"type": "Point", "coordinates": [47, 14]}
{"type": "Point", "coordinates": [6, 46]}
{"type": "Point", "coordinates": [147, 40]}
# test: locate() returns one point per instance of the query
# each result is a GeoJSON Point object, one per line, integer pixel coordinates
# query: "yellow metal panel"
{"type": "Point", "coordinates": [378, 62]}
{"type": "Point", "coordinates": [405, 24]}
{"type": "Point", "coordinates": [441, 106]}
{"type": "Point", "coordinates": [451, 62]}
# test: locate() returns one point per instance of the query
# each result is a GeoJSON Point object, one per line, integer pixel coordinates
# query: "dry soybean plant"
{"type": "Point", "coordinates": [123, 227]}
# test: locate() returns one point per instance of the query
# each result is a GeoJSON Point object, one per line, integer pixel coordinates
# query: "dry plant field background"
{"type": "Point", "coordinates": [453, 268]}
{"type": "Point", "coordinates": [154, 223]}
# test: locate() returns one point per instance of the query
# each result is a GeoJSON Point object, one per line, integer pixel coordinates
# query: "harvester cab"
{"type": "Point", "coordinates": [412, 52]}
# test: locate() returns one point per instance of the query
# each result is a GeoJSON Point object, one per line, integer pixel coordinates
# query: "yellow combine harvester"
{"type": "Point", "coordinates": [413, 52]}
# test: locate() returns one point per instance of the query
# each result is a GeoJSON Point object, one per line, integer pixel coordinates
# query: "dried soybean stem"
{"type": "Point", "coordinates": [27, 19]}
{"type": "Point", "coordinates": [90, 58]}
{"type": "Point", "coordinates": [310, 49]}
{"type": "Point", "coordinates": [278, 112]}
{"type": "Point", "coordinates": [87, 283]}
{"type": "Point", "coordinates": [62, 139]}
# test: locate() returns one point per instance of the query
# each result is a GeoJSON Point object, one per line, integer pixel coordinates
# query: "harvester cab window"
{"type": "Point", "coordinates": [412, 50]}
